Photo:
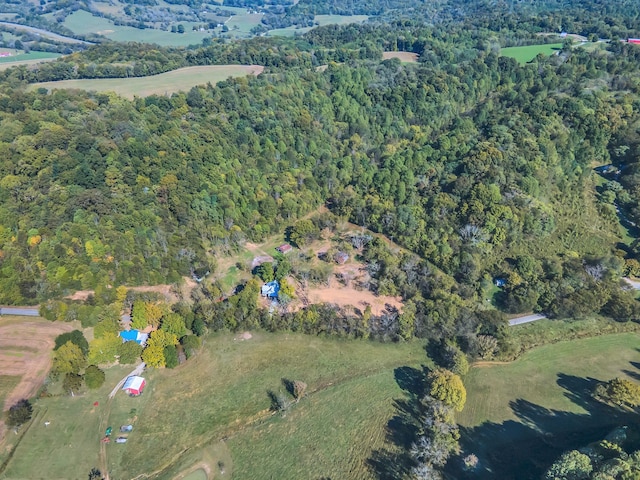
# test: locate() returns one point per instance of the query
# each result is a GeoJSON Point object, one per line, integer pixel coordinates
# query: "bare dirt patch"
{"type": "Point", "coordinates": [25, 350]}
{"type": "Point", "coordinates": [344, 296]}
{"type": "Point", "coordinates": [408, 57]}
{"type": "Point", "coordinates": [166, 290]}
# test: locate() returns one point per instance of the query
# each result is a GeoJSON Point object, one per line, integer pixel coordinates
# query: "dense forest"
{"type": "Point", "coordinates": [480, 166]}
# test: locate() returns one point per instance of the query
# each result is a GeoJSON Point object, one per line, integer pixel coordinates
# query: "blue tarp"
{"type": "Point", "coordinates": [134, 336]}
{"type": "Point", "coordinates": [270, 289]}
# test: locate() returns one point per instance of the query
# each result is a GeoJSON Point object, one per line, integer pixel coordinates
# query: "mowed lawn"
{"type": "Point", "coordinates": [163, 84]}
{"type": "Point", "coordinates": [223, 393]}
{"type": "Point", "coordinates": [534, 376]}
{"type": "Point", "coordinates": [527, 53]}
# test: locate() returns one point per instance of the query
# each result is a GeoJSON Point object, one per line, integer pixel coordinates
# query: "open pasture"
{"type": "Point", "coordinates": [82, 22]}
{"type": "Point", "coordinates": [320, 20]}
{"type": "Point", "coordinates": [527, 53]}
{"type": "Point", "coordinates": [162, 84]}
{"type": "Point", "coordinates": [516, 411]}
{"type": "Point", "coordinates": [223, 393]}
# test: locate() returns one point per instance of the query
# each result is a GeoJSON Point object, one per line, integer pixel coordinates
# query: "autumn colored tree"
{"type": "Point", "coordinates": [153, 356]}
{"type": "Point", "coordinates": [447, 387]}
{"type": "Point", "coordinates": [68, 359]}
{"type": "Point", "coordinates": [174, 323]}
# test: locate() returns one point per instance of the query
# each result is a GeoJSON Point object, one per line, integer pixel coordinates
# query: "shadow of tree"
{"type": "Point", "coordinates": [524, 448]}
{"type": "Point", "coordinates": [403, 428]}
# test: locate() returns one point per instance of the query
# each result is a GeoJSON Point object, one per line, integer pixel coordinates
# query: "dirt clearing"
{"type": "Point", "coordinates": [25, 351]}
{"type": "Point", "coordinates": [408, 57]}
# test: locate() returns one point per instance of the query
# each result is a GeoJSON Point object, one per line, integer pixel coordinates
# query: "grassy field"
{"type": "Point", "coordinates": [542, 402]}
{"type": "Point", "coordinates": [163, 84]}
{"type": "Point", "coordinates": [321, 20]}
{"type": "Point", "coordinates": [244, 22]}
{"type": "Point", "coordinates": [82, 22]}
{"type": "Point", "coordinates": [222, 393]}
{"type": "Point", "coordinates": [7, 384]}
{"type": "Point", "coordinates": [18, 57]}
{"type": "Point", "coordinates": [527, 53]}
{"type": "Point", "coordinates": [69, 445]}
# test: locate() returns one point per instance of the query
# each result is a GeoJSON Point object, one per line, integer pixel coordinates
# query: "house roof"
{"type": "Point", "coordinates": [285, 247]}
{"type": "Point", "coordinates": [134, 336]}
{"type": "Point", "coordinates": [134, 383]}
{"type": "Point", "coordinates": [270, 289]}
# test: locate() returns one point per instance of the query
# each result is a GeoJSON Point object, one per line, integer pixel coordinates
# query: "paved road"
{"type": "Point", "coordinates": [22, 311]}
{"type": "Point", "coordinates": [44, 33]}
{"type": "Point", "coordinates": [525, 319]}
{"type": "Point", "coordinates": [634, 283]}
{"type": "Point", "coordinates": [137, 371]}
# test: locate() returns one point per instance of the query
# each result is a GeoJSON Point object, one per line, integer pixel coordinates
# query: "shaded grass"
{"type": "Point", "coordinates": [223, 391]}
{"type": "Point", "coordinates": [330, 434]}
{"type": "Point", "coordinates": [533, 377]}
{"type": "Point", "coordinates": [527, 53]}
{"type": "Point", "coordinates": [162, 84]}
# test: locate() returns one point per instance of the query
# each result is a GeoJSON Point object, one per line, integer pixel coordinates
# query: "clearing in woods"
{"type": "Point", "coordinates": [404, 57]}
{"type": "Point", "coordinates": [527, 53]}
{"type": "Point", "coordinates": [163, 84]}
{"type": "Point", "coordinates": [516, 411]}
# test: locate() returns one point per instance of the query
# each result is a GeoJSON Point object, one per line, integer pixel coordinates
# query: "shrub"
{"type": "Point", "coordinates": [94, 377]}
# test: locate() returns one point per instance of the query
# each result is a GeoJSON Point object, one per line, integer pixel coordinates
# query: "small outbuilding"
{"type": "Point", "coordinates": [134, 336]}
{"type": "Point", "coordinates": [500, 282]}
{"type": "Point", "coordinates": [341, 258]}
{"type": "Point", "coordinates": [284, 248]}
{"type": "Point", "coordinates": [134, 385]}
{"type": "Point", "coordinates": [270, 290]}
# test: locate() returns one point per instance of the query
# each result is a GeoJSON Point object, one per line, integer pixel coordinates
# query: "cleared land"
{"type": "Point", "coordinates": [405, 57]}
{"type": "Point", "coordinates": [163, 84]}
{"type": "Point", "coordinates": [320, 20]}
{"type": "Point", "coordinates": [25, 352]}
{"type": "Point", "coordinates": [222, 393]}
{"type": "Point", "coordinates": [520, 416]}
{"type": "Point", "coordinates": [68, 447]}
{"type": "Point", "coordinates": [527, 53]}
{"type": "Point", "coordinates": [18, 57]}
{"type": "Point", "coordinates": [44, 33]}
{"type": "Point", "coordinates": [82, 22]}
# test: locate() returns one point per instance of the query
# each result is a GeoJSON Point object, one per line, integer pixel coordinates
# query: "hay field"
{"type": "Point", "coordinates": [164, 84]}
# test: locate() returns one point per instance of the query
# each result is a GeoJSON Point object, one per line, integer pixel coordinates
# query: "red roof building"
{"type": "Point", "coordinates": [284, 248]}
{"type": "Point", "coordinates": [634, 40]}
{"type": "Point", "coordinates": [134, 385]}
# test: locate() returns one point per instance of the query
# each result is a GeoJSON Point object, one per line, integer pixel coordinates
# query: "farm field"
{"type": "Point", "coordinates": [527, 53]}
{"type": "Point", "coordinates": [243, 23]}
{"type": "Point", "coordinates": [543, 399]}
{"type": "Point", "coordinates": [44, 33]}
{"type": "Point", "coordinates": [82, 22]}
{"type": "Point", "coordinates": [321, 20]}
{"type": "Point", "coordinates": [404, 57]}
{"type": "Point", "coordinates": [69, 445]}
{"type": "Point", "coordinates": [222, 393]}
{"type": "Point", "coordinates": [30, 58]}
{"type": "Point", "coordinates": [162, 84]}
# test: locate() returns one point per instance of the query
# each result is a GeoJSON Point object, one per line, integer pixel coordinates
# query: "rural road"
{"type": "Point", "coordinates": [525, 319]}
{"type": "Point", "coordinates": [22, 311]}
{"type": "Point", "coordinates": [634, 283]}
{"type": "Point", "coordinates": [44, 33]}
{"type": "Point", "coordinates": [137, 371]}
